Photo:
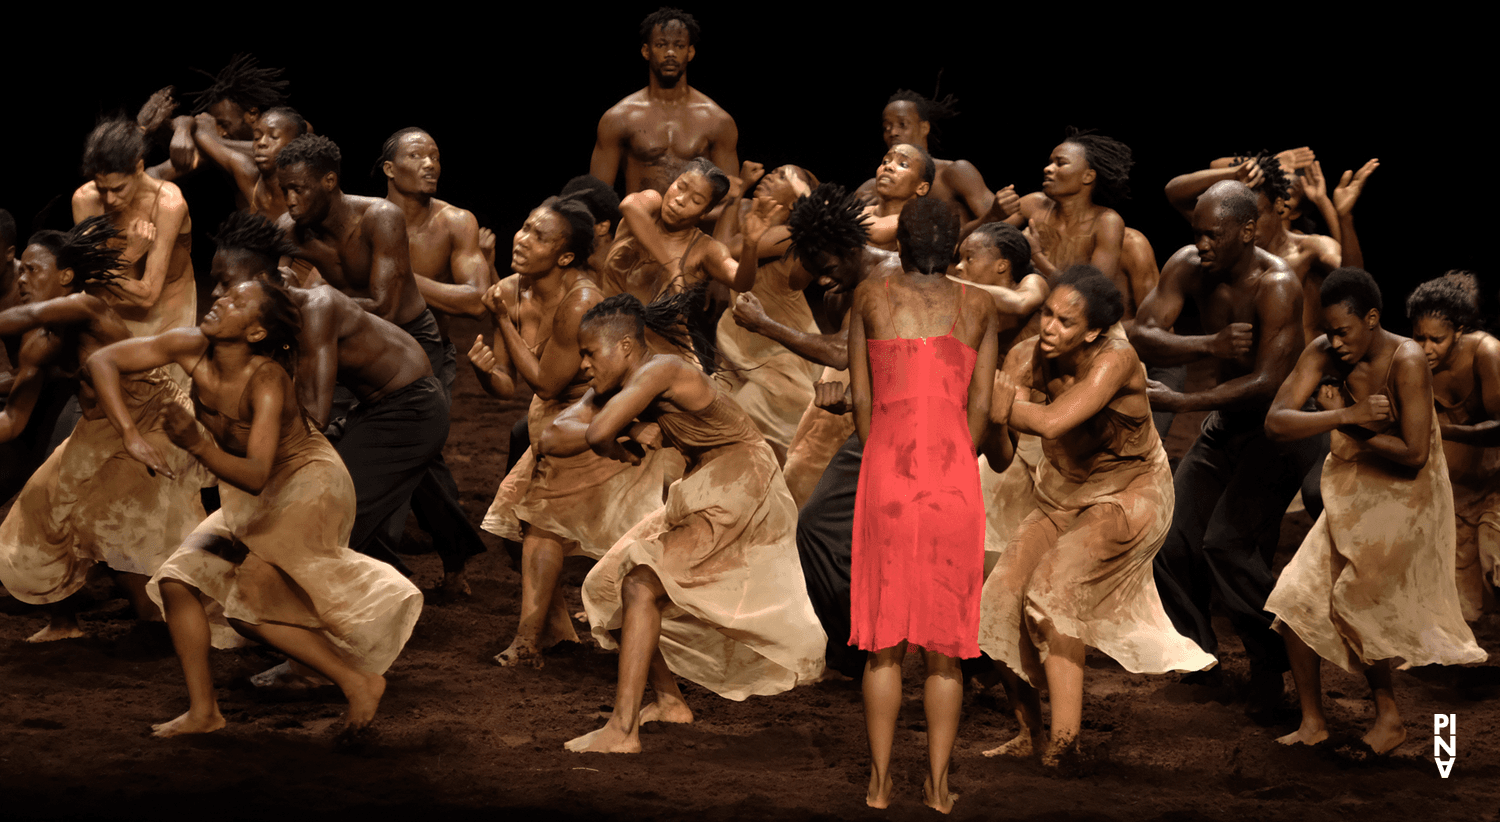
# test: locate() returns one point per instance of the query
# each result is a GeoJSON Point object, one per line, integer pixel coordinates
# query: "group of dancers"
{"type": "Point", "coordinates": [797, 426]}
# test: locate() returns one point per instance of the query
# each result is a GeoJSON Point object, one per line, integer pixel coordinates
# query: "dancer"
{"type": "Point", "coordinates": [659, 129]}
{"type": "Point", "coordinates": [1373, 579]}
{"type": "Point", "coordinates": [1465, 364]}
{"type": "Point", "coordinates": [1077, 572]}
{"type": "Point", "coordinates": [920, 405]}
{"type": "Point", "coordinates": [158, 292]}
{"type": "Point", "coordinates": [905, 173]}
{"type": "Point", "coordinates": [911, 118]}
{"type": "Point", "coordinates": [88, 502]}
{"type": "Point", "coordinates": [708, 586]}
{"type": "Point", "coordinates": [255, 173]}
{"type": "Point", "coordinates": [274, 560]}
{"type": "Point", "coordinates": [554, 505]}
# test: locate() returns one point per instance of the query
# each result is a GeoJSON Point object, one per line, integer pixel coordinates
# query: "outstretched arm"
{"type": "Point", "coordinates": [180, 345]}
{"type": "Point", "coordinates": [1021, 301]}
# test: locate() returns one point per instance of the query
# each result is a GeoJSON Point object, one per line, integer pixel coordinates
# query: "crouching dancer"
{"type": "Point", "coordinates": [1373, 579]}
{"type": "Point", "coordinates": [88, 502]}
{"type": "Point", "coordinates": [274, 560]}
{"type": "Point", "coordinates": [709, 586]}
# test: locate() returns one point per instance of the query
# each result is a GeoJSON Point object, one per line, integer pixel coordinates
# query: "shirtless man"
{"type": "Point", "coordinates": [157, 292]}
{"type": "Point", "coordinates": [359, 246]}
{"type": "Point", "coordinates": [905, 173]}
{"type": "Point", "coordinates": [660, 128]}
{"type": "Point", "coordinates": [911, 118]}
{"type": "Point", "coordinates": [451, 271]}
{"type": "Point", "coordinates": [1233, 485]}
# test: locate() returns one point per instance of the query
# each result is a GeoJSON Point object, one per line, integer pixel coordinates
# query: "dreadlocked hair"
{"type": "Point", "coordinates": [830, 220]}
{"type": "Point", "coordinates": [85, 249]}
{"type": "Point", "coordinates": [243, 231]}
{"type": "Point", "coordinates": [1275, 183]}
{"type": "Point", "coordinates": [929, 111]}
{"type": "Point", "coordinates": [673, 317]}
{"type": "Point", "coordinates": [113, 147]}
{"type": "Point", "coordinates": [1011, 244]}
{"type": "Point", "coordinates": [926, 231]}
{"type": "Point", "coordinates": [579, 219]}
{"type": "Point", "coordinates": [282, 320]}
{"type": "Point", "coordinates": [667, 14]}
{"type": "Point", "coordinates": [388, 149]}
{"type": "Point", "coordinates": [320, 154]}
{"type": "Point", "coordinates": [1111, 161]}
{"type": "Point", "coordinates": [244, 83]}
{"type": "Point", "coordinates": [1453, 297]}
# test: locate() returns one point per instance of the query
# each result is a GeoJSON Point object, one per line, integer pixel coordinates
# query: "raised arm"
{"type": "Point", "coordinates": [471, 272]}
{"type": "Point", "coordinates": [1278, 304]}
{"type": "Point", "coordinates": [1183, 190]}
{"type": "Point", "coordinates": [390, 260]}
{"type": "Point", "coordinates": [740, 276]}
{"type": "Point", "coordinates": [239, 165]}
{"type": "Point", "coordinates": [1351, 185]}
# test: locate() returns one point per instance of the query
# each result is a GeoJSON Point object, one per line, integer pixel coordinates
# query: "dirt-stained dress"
{"type": "Point", "coordinates": [92, 502]}
{"type": "Point", "coordinates": [1081, 559]}
{"type": "Point", "coordinates": [740, 622]}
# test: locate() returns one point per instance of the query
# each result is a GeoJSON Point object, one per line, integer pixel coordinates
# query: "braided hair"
{"type": "Point", "coordinates": [1111, 161]}
{"type": "Point", "coordinates": [244, 83]}
{"type": "Point", "coordinates": [673, 316]}
{"type": "Point", "coordinates": [85, 249]}
{"type": "Point", "coordinates": [829, 221]}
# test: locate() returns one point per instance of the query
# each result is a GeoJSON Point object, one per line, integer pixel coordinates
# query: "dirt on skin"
{"type": "Point", "coordinates": [461, 737]}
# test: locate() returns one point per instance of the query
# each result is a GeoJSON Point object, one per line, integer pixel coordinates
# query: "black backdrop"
{"type": "Point", "coordinates": [513, 99]}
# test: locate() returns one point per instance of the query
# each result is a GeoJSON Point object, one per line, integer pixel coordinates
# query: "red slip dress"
{"type": "Point", "coordinates": [918, 545]}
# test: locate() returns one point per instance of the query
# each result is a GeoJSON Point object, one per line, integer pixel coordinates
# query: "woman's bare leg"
{"type": "Point", "coordinates": [670, 706]}
{"type": "Point", "coordinates": [188, 623]}
{"type": "Point", "coordinates": [943, 699]}
{"type": "Point", "coordinates": [1064, 666]}
{"type": "Point", "coordinates": [644, 597]}
{"type": "Point", "coordinates": [1308, 679]}
{"type": "Point", "coordinates": [882, 691]}
{"type": "Point", "coordinates": [541, 566]}
{"type": "Point", "coordinates": [135, 590]}
{"type": "Point", "coordinates": [362, 690]}
{"type": "Point", "coordinates": [1389, 731]}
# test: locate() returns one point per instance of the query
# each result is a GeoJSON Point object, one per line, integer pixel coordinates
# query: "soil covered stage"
{"type": "Point", "coordinates": [461, 737]}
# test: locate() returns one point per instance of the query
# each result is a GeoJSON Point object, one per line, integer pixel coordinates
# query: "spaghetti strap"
{"type": "Point", "coordinates": [960, 311]}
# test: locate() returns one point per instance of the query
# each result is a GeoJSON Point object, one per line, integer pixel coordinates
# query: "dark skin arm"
{"type": "Point", "coordinates": [1350, 186]}
{"type": "Point", "coordinates": [471, 272]}
{"type": "Point", "coordinates": [1487, 369]}
{"type": "Point", "coordinates": [568, 434]}
{"type": "Point", "coordinates": [1151, 333]}
{"type": "Point", "coordinates": [390, 261]}
{"type": "Point", "coordinates": [239, 164]}
{"type": "Point", "coordinates": [551, 373]}
{"type": "Point", "coordinates": [38, 349]}
{"type": "Point", "coordinates": [1279, 308]}
{"type": "Point", "coordinates": [665, 377]}
{"type": "Point", "coordinates": [1183, 190]}
{"type": "Point", "coordinates": [604, 165]}
{"type": "Point", "coordinates": [318, 361]}
{"type": "Point", "coordinates": [825, 349]}
{"type": "Point", "coordinates": [182, 346]}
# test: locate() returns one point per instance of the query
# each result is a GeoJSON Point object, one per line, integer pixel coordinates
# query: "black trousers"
{"type": "Point", "coordinates": [825, 536]}
{"type": "Point", "coordinates": [1233, 487]}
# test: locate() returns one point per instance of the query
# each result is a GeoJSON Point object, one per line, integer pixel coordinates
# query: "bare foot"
{"type": "Point", "coordinates": [364, 701]}
{"type": "Point", "coordinates": [1308, 733]}
{"type": "Point", "coordinates": [1022, 747]}
{"type": "Point", "coordinates": [54, 632]}
{"type": "Point", "coordinates": [879, 795]}
{"type": "Point", "coordinates": [455, 584]}
{"type": "Point", "coordinates": [674, 711]}
{"type": "Point", "coordinates": [1059, 750]}
{"type": "Point", "coordinates": [189, 723]}
{"type": "Point", "coordinates": [291, 675]}
{"type": "Point", "coordinates": [522, 653]}
{"type": "Point", "coordinates": [940, 801]}
{"type": "Point", "coordinates": [1386, 736]}
{"type": "Point", "coordinates": [607, 739]}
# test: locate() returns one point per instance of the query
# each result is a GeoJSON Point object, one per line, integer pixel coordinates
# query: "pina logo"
{"type": "Point", "coordinates": [1442, 723]}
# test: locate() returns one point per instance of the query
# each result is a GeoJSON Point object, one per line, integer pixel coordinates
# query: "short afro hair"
{"type": "Point", "coordinates": [927, 232]}
{"type": "Point", "coordinates": [1111, 161]}
{"type": "Point", "coordinates": [115, 146]}
{"type": "Point", "coordinates": [1352, 288]}
{"type": "Point", "coordinates": [828, 221]}
{"type": "Point", "coordinates": [665, 15]}
{"type": "Point", "coordinates": [244, 83]}
{"type": "Point", "coordinates": [1103, 303]}
{"type": "Point", "coordinates": [320, 154]}
{"type": "Point", "coordinates": [1453, 297]}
